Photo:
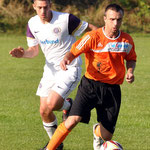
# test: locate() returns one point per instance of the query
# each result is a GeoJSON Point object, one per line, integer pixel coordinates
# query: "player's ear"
{"type": "Point", "coordinates": [104, 18]}
{"type": "Point", "coordinates": [34, 6]}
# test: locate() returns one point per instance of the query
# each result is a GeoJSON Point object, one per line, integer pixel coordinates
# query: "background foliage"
{"type": "Point", "coordinates": [14, 14]}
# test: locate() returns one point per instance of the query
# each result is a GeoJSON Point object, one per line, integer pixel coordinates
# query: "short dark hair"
{"type": "Point", "coordinates": [34, 0]}
{"type": "Point", "coordinates": [115, 7]}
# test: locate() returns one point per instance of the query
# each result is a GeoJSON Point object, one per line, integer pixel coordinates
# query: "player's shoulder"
{"type": "Point", "coordinates": [90, 36]}
{"type": "Point", "coordinates": [94, 33]}
{"type": "Point", "coordinates": [59, 17]}
{"type": "Point", "coordinates": [58, 14]}
{"type": "Point", "coordinates": [34, 20]}
{"type": "Point", "coordinates": [63, 14]}
{"type": "Point", "coordinates": [126, 36]}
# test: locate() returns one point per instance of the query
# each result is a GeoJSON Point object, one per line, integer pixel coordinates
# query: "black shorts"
{"type": "Point", "coordinates": [106, 98]}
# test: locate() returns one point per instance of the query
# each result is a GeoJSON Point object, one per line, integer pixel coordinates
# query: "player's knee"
{"type": "Point", "coordinates": [44, 111]}
{"type": "Point", "coordinates": [51, 106]}
{"type": "Point", "coordinates": [72, 121]}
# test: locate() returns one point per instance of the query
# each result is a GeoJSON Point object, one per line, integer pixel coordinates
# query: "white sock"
{"type": "Point", "coordinates": [50, 127]}
{"type": "Point", "coordinates": [65, 106]}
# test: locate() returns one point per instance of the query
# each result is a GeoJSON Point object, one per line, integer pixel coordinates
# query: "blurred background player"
{"type": "Point", "coordinates": [55, 33]}
{"type": "Point", "coordinates": [105, 50]}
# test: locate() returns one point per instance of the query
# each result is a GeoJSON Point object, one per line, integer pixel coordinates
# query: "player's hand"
{"type": "Point", "coordinates": [130, 77]}
{"type": "Point", "coordinates": [67, 60]}
{"type": "Point", "coordinates": [63, 64]}
{"type": "Point", "coordinates": [17, 52]}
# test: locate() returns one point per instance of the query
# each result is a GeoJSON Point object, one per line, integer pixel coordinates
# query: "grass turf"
{"type": "Point", "coordinates": [20, 122]}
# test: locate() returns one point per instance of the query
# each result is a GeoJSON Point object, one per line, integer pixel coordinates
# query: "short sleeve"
{"type": "Point", "coordinates": [31, 40]}
{"type": "Point", "coordinates": [82, 45]}
{"type": "Point", "coordinates": [75, 26]}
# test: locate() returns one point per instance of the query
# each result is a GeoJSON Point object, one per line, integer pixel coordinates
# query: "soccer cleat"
{"type": "Point", "coordinates": [60, 147]}
{"type": "Point", "coordinates": [97, 140]}
{"type": "Point", "coordinates": [66, 112]}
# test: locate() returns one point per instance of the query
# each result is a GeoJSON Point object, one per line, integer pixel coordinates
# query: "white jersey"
{"type": "Point", "coordinates": [56, 37]}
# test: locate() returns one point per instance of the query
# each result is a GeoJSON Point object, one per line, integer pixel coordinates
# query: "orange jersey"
{"type": "Point", "coordinates": [104, 57]}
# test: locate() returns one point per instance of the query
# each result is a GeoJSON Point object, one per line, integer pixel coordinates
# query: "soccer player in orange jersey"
{"type": "Point", "coordinates": [105, 51]}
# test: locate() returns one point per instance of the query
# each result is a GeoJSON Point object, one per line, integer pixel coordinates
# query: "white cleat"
{"type": "Point", "coordinates": [97, 141]}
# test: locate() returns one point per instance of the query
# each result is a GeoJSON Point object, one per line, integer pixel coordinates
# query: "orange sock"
{"type": "Point", "coordinates": [58, 137]}
{"type": "Point", "coordinates": [97, 132]}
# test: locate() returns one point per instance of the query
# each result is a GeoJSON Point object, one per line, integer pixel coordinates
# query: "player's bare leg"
{"type": "Point", "coordinates": [47, 105]}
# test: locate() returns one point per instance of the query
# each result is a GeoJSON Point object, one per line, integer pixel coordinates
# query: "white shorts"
{"type": "Point", "coordinates": [60, 81]}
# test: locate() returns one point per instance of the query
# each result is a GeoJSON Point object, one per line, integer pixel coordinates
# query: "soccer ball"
{"type": "Point", "coordinates": [111, 145]}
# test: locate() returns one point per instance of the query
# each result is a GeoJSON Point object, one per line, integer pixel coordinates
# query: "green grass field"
{"type": "Point", "coordinates": [20, 122]}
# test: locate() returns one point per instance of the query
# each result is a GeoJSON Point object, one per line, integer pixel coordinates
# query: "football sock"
{"type": "Point", "coordinates": [50, 127]}
{"type": "Point", "coordinates": [65, 106]}
{"type": "Point", "coordinates": [58, 137]}
{"type": "Point", "coordinates": [97, 132]}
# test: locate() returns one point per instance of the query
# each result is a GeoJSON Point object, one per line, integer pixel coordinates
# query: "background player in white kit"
{"type": "Point", "coordinates": [55, 33]}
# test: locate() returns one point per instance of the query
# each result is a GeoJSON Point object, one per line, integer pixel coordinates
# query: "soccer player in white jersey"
{"type": "Point", "coordinates": [55, 33]}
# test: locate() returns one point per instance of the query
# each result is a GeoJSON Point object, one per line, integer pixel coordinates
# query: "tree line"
{"type": "Point", "coordinates": [14, 14]}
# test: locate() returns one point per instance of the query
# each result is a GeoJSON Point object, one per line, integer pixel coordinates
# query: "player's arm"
{"type": "Point", "coordinates": [21, 53]}
{"type": "Point", "coordinates": [130, 65]}
{"type": "Point", "coordinates": [68, 58]}
{"type": "Point", "coordinates": [77, 27]}
{"type": "Point", "coordinates": [80, 46]}
{"type": "Point", "coordinates": [91, 27]}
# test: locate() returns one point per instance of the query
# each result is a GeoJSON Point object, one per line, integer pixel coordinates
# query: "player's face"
{"type": "Point", "coordinates": [113, 22]}
{"type": "Point", "coordinates": [43, 10]}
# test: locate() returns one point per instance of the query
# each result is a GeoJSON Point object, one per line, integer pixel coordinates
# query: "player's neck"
{"type": "Point", "coordinates": [48, 19]}
{"type": "Point", "coordinates": [110, 34]}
